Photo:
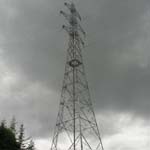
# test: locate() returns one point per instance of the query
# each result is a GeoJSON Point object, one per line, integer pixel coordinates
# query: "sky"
{"type": "Point", "coordinates": [116, 57]}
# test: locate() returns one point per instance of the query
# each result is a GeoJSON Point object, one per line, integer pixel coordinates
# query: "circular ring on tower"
{"type": "Point", "coordinates": [74, 63]}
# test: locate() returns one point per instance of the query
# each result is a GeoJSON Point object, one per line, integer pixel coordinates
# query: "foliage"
{"type": "Point", "coordinates": [11, 140]}
{"type": "Point", "coordinates": [31, 146]}
{"type": "Point", "coordinates": [7, 139]}
{"type": "Point", "coordinates": [13, 125]}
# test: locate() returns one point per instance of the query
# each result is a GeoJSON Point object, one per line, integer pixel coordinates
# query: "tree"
{"type": "Point", "coordinates": [10, 139]}
{"type": "Point", "coordinates": [21, 139]}
{"type": "Point", "coordinates": [7, 139]}
{"type": "Point", "coordinates": [3, 123]}
{"type": "Point", "coordinates": [31, 146]}
{"type": "Point", "coordinates": [13, 125]}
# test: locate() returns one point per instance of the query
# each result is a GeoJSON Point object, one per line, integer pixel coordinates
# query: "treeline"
{"type": "Point", "coordinates": [14, 139]}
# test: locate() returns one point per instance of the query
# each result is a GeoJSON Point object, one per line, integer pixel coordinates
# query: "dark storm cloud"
{"type": "Point", "coordinates": [116, 56]}
{"type": "Point", "coordinates": [121, 54]}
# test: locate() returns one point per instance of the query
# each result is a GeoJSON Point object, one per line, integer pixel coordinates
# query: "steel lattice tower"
{"type": "Point", "coordinates": [76, 127]}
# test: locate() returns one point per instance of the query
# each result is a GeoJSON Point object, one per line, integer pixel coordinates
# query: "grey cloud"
{"type": "Point", "coordinates": [34, 47]}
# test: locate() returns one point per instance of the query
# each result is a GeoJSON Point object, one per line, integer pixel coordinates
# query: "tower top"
{"type": "Point", "coordinates": [74, 28]}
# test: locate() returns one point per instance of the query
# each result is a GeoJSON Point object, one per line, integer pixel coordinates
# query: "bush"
{"type": "Point", "coordinates": [7, 139]}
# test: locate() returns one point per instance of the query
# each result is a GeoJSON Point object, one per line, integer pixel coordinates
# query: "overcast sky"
{"type": "Point", "coordinates": [116, 57]}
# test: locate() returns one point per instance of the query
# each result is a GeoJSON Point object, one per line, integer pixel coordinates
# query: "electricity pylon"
{"type": "Point", "coordinates": [76, 127]}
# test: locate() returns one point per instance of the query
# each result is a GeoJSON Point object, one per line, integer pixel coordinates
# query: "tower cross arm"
{"type": "Point", "coordinates": [69, 30]}
{"type": "Point", "coordinates": [67, 16]}
{"type": "Point", "coordinates": [72, 9]}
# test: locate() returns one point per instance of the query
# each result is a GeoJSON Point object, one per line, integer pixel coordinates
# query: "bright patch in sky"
{"type": "Point", "coordinates": [132, 134]}
{"type": "Point", "coordinates": [42, 144]}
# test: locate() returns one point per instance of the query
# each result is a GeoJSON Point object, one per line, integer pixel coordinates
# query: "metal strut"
{"type": "Point", "coordinates": [76, 127]}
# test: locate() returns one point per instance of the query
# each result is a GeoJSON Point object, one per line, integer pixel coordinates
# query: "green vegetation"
{"type": "Point", "coordinates": [11, 140]}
